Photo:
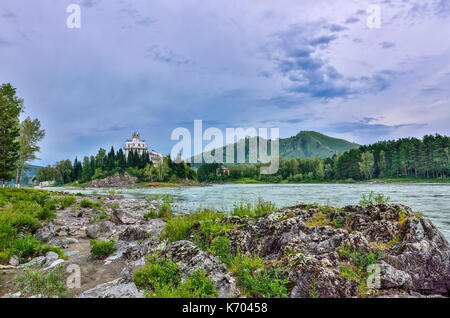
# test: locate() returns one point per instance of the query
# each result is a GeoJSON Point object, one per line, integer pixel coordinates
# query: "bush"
{"type": "Point", "coordinates": [101, 249]}
{"type": "Point", "coordinates": [25, 246]}
{"type": "Point", "coordinates": [157, 273]}
{"type": "Point", "coordinates": [85, 203]}
{"type": "Point", "coordinates": [67, 202]}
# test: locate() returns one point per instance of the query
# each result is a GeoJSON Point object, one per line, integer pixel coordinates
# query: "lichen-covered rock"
{"type": "Point", "coordinates": [326, 251]}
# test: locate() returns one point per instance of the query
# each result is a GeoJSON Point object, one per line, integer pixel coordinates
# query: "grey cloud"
{"type": "Point", "coordinates": [352, 20]}
{"type": "Point", "coordinates": [299, 57]}
{"type": "Point", "coordinates": [165, 55]}
{"type": "Point", "coordinates": [387, 45]}
{"type": "Point", "coordinates": [89, 3]}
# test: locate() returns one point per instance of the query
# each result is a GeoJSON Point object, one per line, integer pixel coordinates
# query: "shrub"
{"type": "Point", "coordinates": [67, 202]}
{"type": "Point", "coordinates": [25, 246]}
{"type": "Point", "coordinates": [85, 203]}
{"type": "Point", "coordinates": [157, 273]}
{"type": "Point", "coordinates": [101, 249]}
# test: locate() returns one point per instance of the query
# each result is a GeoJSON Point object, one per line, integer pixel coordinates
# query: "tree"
{"type": "Point", "coordinates": [30, 135]}
{"type": "Point", "coordinates": [366, 165]}
{"type": "Point", "coordinates": [122, 161]}
{"type": "Point", "coordinates": [381, 164]}
{"type": "Point", "coordinates": [10, 108]}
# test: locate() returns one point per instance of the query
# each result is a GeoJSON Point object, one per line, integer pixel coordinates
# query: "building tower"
{"type": "Point", "coordinates": [135, 144]}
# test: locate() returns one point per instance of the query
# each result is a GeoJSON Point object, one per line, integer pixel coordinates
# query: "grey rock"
{"type": "Point", "coordinates": [123, 217]}
{"type": "Point", "coordinates": [71, 253]}
{"type": "Point", "coordinates": [118, 288]}
{"type": "Point", "coordinates": [46, 232]}
{"type": "Point", "coordinates": [133, 233]}
{"type": "Point", "coordinates": [392, 277]}
{"type": "Point", "coordinates": [93, 231]}
{"type": "Point", "coordinates": [51, 256]}
{"type": "Point", "coordinates": [35, 262]}
{"type": "Point", "coordinates": [14, 261]}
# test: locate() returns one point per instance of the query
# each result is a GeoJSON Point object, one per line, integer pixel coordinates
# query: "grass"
{"type": "Point", "coordinates": [85, 203]}
{"type": "Point", "coordinates": [373, 198]}
{"type": "Point", "coordinates": [255, 280]}
{"type": "Point", "coordinates": [161, 278]}
{"type": "Point", "coordinates": [101, 249]}
{"type": "Point", "coordinates": [34, 281]}
{"type": "Point", "coordinates": [164, 206]}
{"type": "Point", "coordinates": [357, 268]}
{"type": "Point", "coordinates": [248, 209]}
{"type": "Point", "coordinates": [22, 211]}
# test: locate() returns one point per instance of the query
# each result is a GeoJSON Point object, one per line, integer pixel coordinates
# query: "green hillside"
{"type": "Point", "coordinates": [311, 144]}
{"type": "Point", "coordinates": [306, 144]}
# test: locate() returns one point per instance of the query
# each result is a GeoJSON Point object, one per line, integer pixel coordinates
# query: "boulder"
{"type": "Point", "coordinates": [414, 257]}
{"type": "Point", "coordinates": [118, 288]}
{"type": "Point", "coordinates": [123, 217]}
{"type": "Point", "coordinates": [14, 261]}
{"type": "Point", "coordinates": [133, 233]}
{"type": "Point", "coordinates": [36, 262]}
{"type": "Point", "coordinates": [46, 232]}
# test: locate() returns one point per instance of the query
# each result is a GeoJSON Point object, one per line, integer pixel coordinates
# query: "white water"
{"type": "Point", "coordinates": [431, 199]}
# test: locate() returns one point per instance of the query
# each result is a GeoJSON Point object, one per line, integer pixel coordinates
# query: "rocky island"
{"type": "Point", "coordinates": [121, 246]}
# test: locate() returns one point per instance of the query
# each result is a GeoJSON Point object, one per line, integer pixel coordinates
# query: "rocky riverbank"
{"type": "Point", "coordinates": [314, 251]}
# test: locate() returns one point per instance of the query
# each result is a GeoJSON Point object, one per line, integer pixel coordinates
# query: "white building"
{"type": "Point", "coordinates": [135, 144]}
{"type": "Point", "coordinates": [140, 146]}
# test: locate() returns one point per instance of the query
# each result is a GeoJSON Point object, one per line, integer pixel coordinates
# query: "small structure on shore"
{"type": "Point", "coordinates": [222, 171]}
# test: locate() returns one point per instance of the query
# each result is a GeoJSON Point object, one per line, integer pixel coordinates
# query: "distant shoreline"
{"type": "Point", "coordinates": [252, 181]}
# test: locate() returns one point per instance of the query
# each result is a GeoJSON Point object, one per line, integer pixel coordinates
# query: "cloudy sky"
{"type": "Point", "coordinates": [154, 65]}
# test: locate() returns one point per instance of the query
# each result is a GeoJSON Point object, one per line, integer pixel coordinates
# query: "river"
{"type": "Point", "coordinates": [431, 199]}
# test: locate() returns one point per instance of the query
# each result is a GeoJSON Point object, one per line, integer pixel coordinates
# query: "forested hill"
{"type": "Point", "coordinates": [311, 144]}
{"type": "Point", "coordinates": [306, 144]}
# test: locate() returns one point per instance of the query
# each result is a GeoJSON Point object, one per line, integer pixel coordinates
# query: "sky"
{"type": "Point", "coordinates": [154, 65]}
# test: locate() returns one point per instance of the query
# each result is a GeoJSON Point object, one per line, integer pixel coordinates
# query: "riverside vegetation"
{"type": "Point", "coordinates": [141, 248]}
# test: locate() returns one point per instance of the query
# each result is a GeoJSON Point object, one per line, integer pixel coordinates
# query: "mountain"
{"type": "Point", "coordinates": [311, 144]}
{"type": "Point", "coordinates": [27, 176]}
{"type": "Point", "coordinates": [306, 144]}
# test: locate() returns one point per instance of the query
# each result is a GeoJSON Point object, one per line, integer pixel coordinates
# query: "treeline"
{"type": "Point", "coordinates": [106, 164]}
{"type": "Point", "coordinates": [408, 157]}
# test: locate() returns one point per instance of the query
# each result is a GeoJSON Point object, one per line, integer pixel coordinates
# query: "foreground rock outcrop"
{"type": "Point", "coordinates": [355, 251]}
{"type": "Point", "coordinates": [328, 251]}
